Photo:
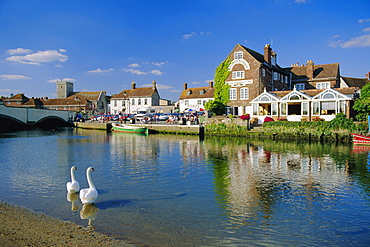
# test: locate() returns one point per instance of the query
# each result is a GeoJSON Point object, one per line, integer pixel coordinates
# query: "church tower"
{"type": "Point", "coordinates": [64, 88]}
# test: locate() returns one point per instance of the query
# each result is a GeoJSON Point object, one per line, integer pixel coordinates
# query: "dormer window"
{"type": "Point", "coordinates": [238, 55]}
{"type": "Point", "coordinates": [188, 92]}
{"type": "Point", "coordinates": [202, 92]}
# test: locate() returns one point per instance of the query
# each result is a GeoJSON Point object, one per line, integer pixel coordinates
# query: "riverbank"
{"type": "Point", "coordinates": [22, 227]}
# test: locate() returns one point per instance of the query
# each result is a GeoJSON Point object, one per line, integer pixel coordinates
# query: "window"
{"type": "Point", "coordinates": [145, 101]}
{"type": "Point", "coordinates": [276, 76]}
{"type": "Point", "coordinates": [232, 94]}
{"type": "Point", "coordinates": [199, 102]}
{"type": "Point", "coordinates": [305, 108]}
{"type": "Point", "coordinates": [139, 101]}
{"type": "Point", "coordinates": [316, 108]}
{"type": "Point", "coordinates": [283, 109]}
{"type": "Point", "coordinates": [115, 102]}
{"type": "Point", "coordinates": [299, 86]}
{"type": "Point", "coordinates": [238, 55]}
{"type": "Point", "coordinates": [133, 102]}
{"type": "Point", "coordinates": [323, 85]}
{"type": "Point", "coordinates": [186, 102]}
{"type": "Point", "coordinates": [244, 93]}
{"type": "Point", "coordinates": [274, 109]}
{"type": "Point", "coordinates": [263, 72]}
{"type": "Point", "coordinates": [238, 74]}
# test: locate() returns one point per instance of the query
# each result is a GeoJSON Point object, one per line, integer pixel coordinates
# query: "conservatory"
{"type": "Point", "coordinates": [301, 105]}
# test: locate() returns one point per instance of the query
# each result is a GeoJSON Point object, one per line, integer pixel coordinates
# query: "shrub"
{"type": "Point", "coordinates": [245, 117]}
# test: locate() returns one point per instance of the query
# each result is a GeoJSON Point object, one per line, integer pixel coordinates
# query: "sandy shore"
{"type": "Point", "coordinates": [22, 227]}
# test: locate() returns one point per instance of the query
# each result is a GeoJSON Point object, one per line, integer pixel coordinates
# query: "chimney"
{"type": "Point", "coordinates": [368, 75]}
{"type": "Point", "coordinates": [154, 84]}
{"type": "Point", "coordinates": [310, 69]}
{"type": "Point", "coordinates": [185, 86]}
{"type": "Point", "coordinates": [267, 54]}
{"type": "Point", "coordinates": [133, 85]}
{"type": "Point", "coordinates": [211, 84]}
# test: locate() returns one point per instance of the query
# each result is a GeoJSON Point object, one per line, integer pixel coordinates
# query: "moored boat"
{"type": "Point", "coordinates": [360, 139]}
{"type": "Point", "coordinates": [124, 128]}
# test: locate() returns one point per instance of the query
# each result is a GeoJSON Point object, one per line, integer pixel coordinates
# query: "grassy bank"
{"type": "Point", "coordinates": [338, 129]}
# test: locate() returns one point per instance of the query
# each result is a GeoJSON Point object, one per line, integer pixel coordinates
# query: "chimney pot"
{"type": "Point", "coordinates": [185, 86]}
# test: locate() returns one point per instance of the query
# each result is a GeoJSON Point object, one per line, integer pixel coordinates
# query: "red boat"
{"type": "Point", "coordinates": [360, 139]}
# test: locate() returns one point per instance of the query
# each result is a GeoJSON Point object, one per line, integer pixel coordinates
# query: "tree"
{"type": "Point", "coordinates": [362, 105]}
{"type": "Point", "coordinates": [221, 93]}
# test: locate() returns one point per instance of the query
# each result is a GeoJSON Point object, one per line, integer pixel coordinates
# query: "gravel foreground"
{"type": "Point", "coordinates": [22, 227]}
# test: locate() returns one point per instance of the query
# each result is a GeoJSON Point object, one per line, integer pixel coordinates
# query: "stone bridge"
{"type": "Point", "coordinates": [13, 118]}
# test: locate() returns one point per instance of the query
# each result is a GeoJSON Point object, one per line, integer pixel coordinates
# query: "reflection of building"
{"type": "Point", "coordinates": [256, 179]}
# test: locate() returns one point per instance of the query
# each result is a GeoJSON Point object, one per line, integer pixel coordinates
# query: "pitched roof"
{"type": "Point", "coordinates": [67, 101]}
{"type": "Point", "coordinates": [322, 71]}
{"type": "Point", "coordinates": [93, 96]}
{"type": "Point", "coordinates": [314, 92]}
{"type": "Point", "coordinates": [355, 82]}
{"type": "Point", "coordinates": [197, 92]}
{"type": "Point", "coordinates": [137, 92]}
{"type": "Point", "coordinates": [143, 92]}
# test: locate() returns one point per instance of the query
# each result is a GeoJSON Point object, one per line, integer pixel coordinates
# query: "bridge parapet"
{"type": "Point", "coordinates": [33, 116]}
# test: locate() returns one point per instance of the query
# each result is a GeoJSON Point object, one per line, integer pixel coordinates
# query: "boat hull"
{"type": "Point", "coordinates": [129, 129]}
{"type": "Point", "coordinates": [360, 139]}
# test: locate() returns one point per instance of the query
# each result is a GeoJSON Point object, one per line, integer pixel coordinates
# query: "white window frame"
{"type": "Point", "coordinates": [244, 93]}
{"type": "Point", "coordinates": [323, 85]}
{"type": "Point", "coordinates": [238, 75]}
{"type": "Point", "coordinates": [232, 94]}
{"type": "Point", "coordinates": [238, 55]}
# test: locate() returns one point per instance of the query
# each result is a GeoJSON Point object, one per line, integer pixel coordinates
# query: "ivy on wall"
{"type": "Point", "coordinates": [222, 88]}
{"type": "Point", "coordinates": [221, 93]}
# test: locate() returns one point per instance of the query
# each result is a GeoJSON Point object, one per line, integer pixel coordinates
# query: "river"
{"type": "Point", "coordinates": [176, 190]}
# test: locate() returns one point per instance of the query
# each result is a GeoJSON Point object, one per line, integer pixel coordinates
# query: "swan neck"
{"type": "Point", "coordinates": [89, 180]}
{"type": "Point", "coordinates": [73, 175]}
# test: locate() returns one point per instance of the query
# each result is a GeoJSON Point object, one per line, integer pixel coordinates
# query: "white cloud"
{"type": "Point", "coordinates": [39, 57]}
{"type": "Point", "coordinates": [15, 77]}
{"type": "Point", "coordinates": [187, 36]}
{"type": "Point", "coordinates": [195, 82]}
{"type": "Point", "coordinates": [9, 90]}
{"type": "Point", "coordinates": [135, 71]}
{"type": "Point", "coordinates": [300, 1]}
{"type": "Point", "coordinates": [62, 50]}
{"type": "Point", "coordinates": [140, 72]}
{"type": "Point", "coordinates": [159, 64]}
{"type": "Point", "coordinates": [366, 30]}
{"type": "Point", "coordinates": [156, 72]}
{"type": "Point", "coordinates": [360, 41]}
{"type": "Point", "coordinates": [99, 71]}
{"type": "Point", "coordinates": [134, 65]}
{"type": "Point", "coordinates": [363, 20]}
{"type": "Point", "coordinates": [159, 86]}
{"type": "Point", "coordinates": [64, 79]}
{"type": "Point", "coordinates": [19, 51]}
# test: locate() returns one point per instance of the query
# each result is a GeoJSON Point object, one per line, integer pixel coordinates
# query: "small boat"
{"type": "Point", "coordinates": [360, 139]}
{"type": "Point", "coordinates": [124, 128]}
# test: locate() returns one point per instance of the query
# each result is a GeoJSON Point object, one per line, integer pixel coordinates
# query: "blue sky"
{"type": "Point", "coordinates": [105, 45]}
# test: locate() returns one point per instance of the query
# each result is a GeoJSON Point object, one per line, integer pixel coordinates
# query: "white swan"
{"type": "Point", "coordinates": [74, 186]}
{"type": "Point", "coordinates": [89, 195]}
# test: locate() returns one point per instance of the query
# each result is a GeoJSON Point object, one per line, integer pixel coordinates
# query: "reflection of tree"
{"type": "Point", "coordinates": [252, 178]}
{"type": "Point", "coordinates": [220, 167]}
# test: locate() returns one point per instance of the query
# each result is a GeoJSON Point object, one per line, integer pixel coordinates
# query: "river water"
{"type": "Point", "coordinates": [174, 190]}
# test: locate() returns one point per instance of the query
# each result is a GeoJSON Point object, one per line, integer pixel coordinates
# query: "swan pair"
{"type": "Point", "coordinates": [87, 196]}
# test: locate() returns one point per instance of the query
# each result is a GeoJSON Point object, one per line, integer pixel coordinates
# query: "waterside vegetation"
{"type": "Point", "coordinates": [338, 129]}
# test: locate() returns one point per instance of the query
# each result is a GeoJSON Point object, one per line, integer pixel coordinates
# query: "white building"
{"type": "Point", "coordinates": [130, 100]}
{"type": "Point", "coordinates": [195, 98]}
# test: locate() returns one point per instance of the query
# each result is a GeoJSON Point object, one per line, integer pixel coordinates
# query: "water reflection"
{"type": "Point", "coordinates": [73, 198]}
{"type": "Point", "coordinates": [166, 190]}
{"type": "Point", "coordinates": [89, 212]}
{"type": "Point", "coordinates": [253, 179]}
